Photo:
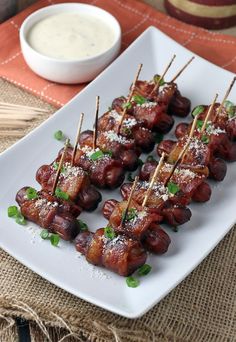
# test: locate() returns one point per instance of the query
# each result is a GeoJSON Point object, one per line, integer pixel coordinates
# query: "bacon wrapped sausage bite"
{"type": "Point", "coordinates": [119, 254]}
{"type": "Point", "coordinates": [130, 128]}
{"type": "Point", "coordinates": [139, 224]}
{"type": "Point", "coordinates": [74, 181]}
{"type": "Point", "coordinates": [189, 179]}
{"type": "Point", "coordinates": [168, 203]}
{"type": "Point", "coordinates": [120, 147]}
{"type": "Point", "coordinates": [198, 154]}
{"type": "Point", "coordinates": [151, 114]}
{"type": "Point", "coordinates": [218, 133]}
{"type": "Point", "coordinates": [167, 94]}
{"type": "Point", "coordinates": [225, 119]}
{"type": "Point", "coordinates": [49, 213]}
{"type": "Point", "coordinates": [103, 170]}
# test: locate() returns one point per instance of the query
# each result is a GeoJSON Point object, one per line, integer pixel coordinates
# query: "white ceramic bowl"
{"type": "Point", "coordinates": [72, 71]}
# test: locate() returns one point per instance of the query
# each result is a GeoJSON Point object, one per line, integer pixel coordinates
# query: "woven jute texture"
{"type": "Point", "coordinates": [201, 308]}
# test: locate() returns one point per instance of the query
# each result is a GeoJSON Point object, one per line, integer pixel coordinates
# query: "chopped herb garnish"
{"type": "Point", "coordinates": [127, 105]}
{"type": "Point", "coordinates": [110, 108]}
{"type": "Point", "coordinates": [97, 155]}
{"type": "Point", "coordinates": [12, 211]}
{"type": "Point", "coordinates": [82, 225]}
{"type": "Point", "coordinates": [205, 139]}
{"type": "Point", "coordinates": [20, 219]}
{"type": "Point", "coordinates": [150, 158]}
{"type": "Point", "coordinates": [31, 193]}
{"type": "Point", "coordinates": [126, 130]}
{"type": "Point", "coordinates": [230, 108]}
{"type": "Point", "coordinates": [139, 99]}
{"type": "Point", "coordinates": [55, 165]}
{"type": "Point", "coordinates": [58, 135]}
{"type": "Point", "coordinates": [61, 194]}
{"type": "Point", "coordinates": [44, 234]}
{"type": "Point", "coordinates": [130, 178]}
{"type": "Point", "coordinates": [109, 233]}
{"type": "Point", "coordinates": [173, 188]}
{"type": "Point", "coordinates": [144, 270]}
{"type": "Point", "coordinates": [158, 137]}
{"type": "Point", "coordinates": [156, 79]}
{"type": "Point", "coordinates": [140, 162]}
{"type": "Point", "coordinates": [132, 282]}
{"type": "Point", "coordinates": [15, 213]}
{"type": "Point", "coordinates": [131, 214]}
{"type": "Point", "coordinates": [199, 124]}
{"type": "Point", "coordinates": [198, 110]}
{"type": "Point", "coordinates": [54, 239]}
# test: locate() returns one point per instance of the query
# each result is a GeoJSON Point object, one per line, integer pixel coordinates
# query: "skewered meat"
{"type": "Point", "coordinates": [121, 148]}
{"type": "Point", "coordinates": [103, 171]}
{"type": "Point", "coordinates": [121, 255]}
{"type": "Point", "coordinates": [47, 212]}
{"type": "Point", "coordinates": [74, 181]}
{"type": "Point", "coordinates": [141, 225]}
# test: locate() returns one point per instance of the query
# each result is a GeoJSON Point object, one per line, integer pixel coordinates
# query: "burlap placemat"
{"type": "Point", "coordinates": [201, 308]}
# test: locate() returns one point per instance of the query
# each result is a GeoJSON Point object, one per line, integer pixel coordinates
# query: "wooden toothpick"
{"type": "Point", "coordinates": [60, 166]}
{"type": "Point", "coordinates": [209, 113]}
{"type": "Point", "coordinates": [226, 95]}
{"type": "Point", "coordinates": [152, 182]}
{"type": "Point", "coordinates": [182, 69]}
{"type": "Point", "coordinates": [184, 150]}
{"type": "Point", "coordinates": [95, 131]}
{"type": "Point", "coordinates": [163, 75]}
{"type": "Point", "coordinates": [129, 199]}
{"type": "Point", "coordinates": [130, 96]}
{"type": "Point", "coordinates": [77, 138]}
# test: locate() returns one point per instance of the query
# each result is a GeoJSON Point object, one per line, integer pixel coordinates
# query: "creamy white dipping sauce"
{"type": "Point", "coordinates": [71, 36]}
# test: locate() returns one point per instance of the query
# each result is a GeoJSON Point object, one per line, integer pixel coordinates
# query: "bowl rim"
{"type": "Point", "coordinates": [23, 32]}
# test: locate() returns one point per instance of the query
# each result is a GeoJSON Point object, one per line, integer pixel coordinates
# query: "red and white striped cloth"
{"type": "Point", "coordinates": [211, 14]}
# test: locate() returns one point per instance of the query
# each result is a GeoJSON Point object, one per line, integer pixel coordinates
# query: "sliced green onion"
{"type": "Point", "coordinates": [31, 193]}
{"type": "Point", "coordinates": [54, 239]}
{"type": "Point", "coordinates": [58, 135]}
{"type": "Point", "coordinates": [20, 219]}
{"type": "Point", "coordinates": [139, 99]}
{"type": "Point", "coordinates": [172, 188]}
{"type": "Point", "coordinates": [131, 214]}
{"type": "Point", "coordinates": [15, 213]}
{"type": "Point", "coordinates": [97, 155]}
{"type": "Point", "coordinates": [127, 105]}
{"type": "Point", "coordinates": [12, 211]}
{"type": "Point", "coordinates": [144, 270]}
{"type": "Point", "coordinates": [230, 108]}
{"type": "Point", "coordinates": [205, 139]}
{"type": "Point", "coordinates": [132, 282]}
{"type": "Point", "coordinates": [44, 234]}
{"type": "Point", "coordinates": [109, 232]}
{"type": "Point", "coordinates": [82, 225]}
{"type": "Point", "coordinates": [156, 79]}
{"type": "Point", "coordinates": [61, 194]}
{"type": "Point", "coordinates": [126, 130]}
{"type": "Point", "coordinates": [199, 124]}
{"type": "Point", "coordinates": [55, 165]}
{"type": "Point", "coordinates": [198, 110]}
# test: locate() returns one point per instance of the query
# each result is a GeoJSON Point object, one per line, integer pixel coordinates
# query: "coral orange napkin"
{"type": "Point", "coordinates": [134, 17]}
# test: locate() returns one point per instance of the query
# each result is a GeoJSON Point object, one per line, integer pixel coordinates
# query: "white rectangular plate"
{"type": "Point", "coordinates": [63, 266]}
